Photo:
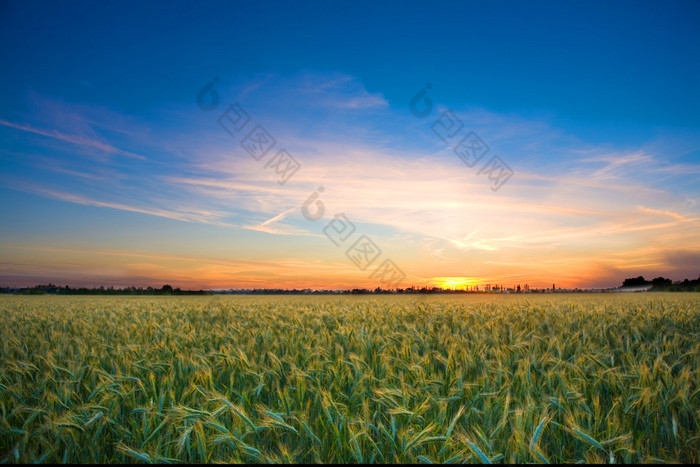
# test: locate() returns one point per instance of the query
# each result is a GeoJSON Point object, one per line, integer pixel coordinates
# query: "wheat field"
{"type": "Point", "coordinates": [450, 379]}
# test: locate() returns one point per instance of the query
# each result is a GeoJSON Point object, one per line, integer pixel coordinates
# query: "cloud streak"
{"type": "Point", "coordinates": [73, 139]}
{"type": "Point", "coordinates": [572, 209]}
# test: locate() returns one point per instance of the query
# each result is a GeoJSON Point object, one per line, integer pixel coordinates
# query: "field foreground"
{"type": "Point", "coordinates": [597, 378]}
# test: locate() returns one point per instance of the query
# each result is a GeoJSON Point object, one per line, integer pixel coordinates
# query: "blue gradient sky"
{"type": "Point", "coordinates": [110, 173]}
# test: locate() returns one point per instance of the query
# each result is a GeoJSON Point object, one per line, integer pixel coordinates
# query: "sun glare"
{"type": "Point", "coordinates": [455, 283]}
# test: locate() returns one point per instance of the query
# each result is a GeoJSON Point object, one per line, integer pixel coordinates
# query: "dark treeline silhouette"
{"type": "Point", "coordinates": [66, 290]}
{"type": "Point", "coordinates": [168, 290]}
{"type": "Point", "coordinates": [661, 284]}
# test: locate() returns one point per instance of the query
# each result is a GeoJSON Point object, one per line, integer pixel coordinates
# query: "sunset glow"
{"type": "Point", "coordinates": [455, 283]}
{"type": "Point", "coordinates": [137, 168]}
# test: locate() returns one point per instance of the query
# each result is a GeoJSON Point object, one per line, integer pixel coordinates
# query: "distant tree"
{"type": "Point", "coordinates": [661, 283]}
{"type": "Point", "coordinates": [635, 282]}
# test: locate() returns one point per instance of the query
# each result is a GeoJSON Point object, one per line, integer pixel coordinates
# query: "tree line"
{"type": "Point", "coordinates": [67, 290]}
{"type": "Point", "coordinates": [662, 284]}
{"type": "Point", "coordinates": [659, 284]}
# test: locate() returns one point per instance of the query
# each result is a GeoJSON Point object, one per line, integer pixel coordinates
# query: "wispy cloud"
{"type": "Point", "coordinates": [420, 202]}
{"type": "Point", "coordinates": [272, 226]}
{"type": "Point", "coordinates": [73, 139]}
{"type": "Point", "coordinates": [186, 215]}
{"type": "Point", "coordinates": [673, 215]}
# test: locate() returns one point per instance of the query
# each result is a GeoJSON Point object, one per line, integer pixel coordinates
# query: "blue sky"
{"type": "Point", "coordinates": [112, 175]}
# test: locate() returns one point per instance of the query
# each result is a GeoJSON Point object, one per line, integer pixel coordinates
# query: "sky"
{"type": "Point", "coordinates": [327, 145]}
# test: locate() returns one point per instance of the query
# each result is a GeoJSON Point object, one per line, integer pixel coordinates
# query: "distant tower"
{"type": "Point", "coordinates": [553, 287]}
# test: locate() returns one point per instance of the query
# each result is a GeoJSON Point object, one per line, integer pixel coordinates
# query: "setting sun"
{"type": "Point", "coordinates": [455, 283]}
